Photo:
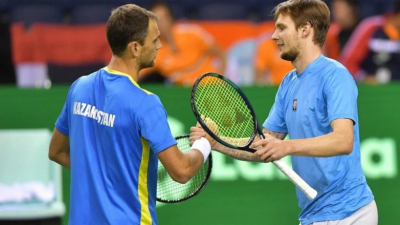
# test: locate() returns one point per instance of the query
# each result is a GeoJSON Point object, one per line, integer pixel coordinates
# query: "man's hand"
{"type": "Point", "coordinates": [197, 132]}
{"type": "Point", "coordinates": [270, 148]}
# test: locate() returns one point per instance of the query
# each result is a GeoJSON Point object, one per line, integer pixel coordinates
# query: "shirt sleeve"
{"type": "Point", "coordinates": [276, 121]}
{"type": "Point", "coordinates": [340, 92]}
{"type": "Point", "coordinates": [62, 124]}
{"type": "Point", "coordinates": [62, 121]}
{"type": "Point", "coordinates": [153, 124]}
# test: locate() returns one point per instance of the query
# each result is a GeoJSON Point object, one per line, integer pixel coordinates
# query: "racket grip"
{"type": "Point", "coordinates": [310, 192]}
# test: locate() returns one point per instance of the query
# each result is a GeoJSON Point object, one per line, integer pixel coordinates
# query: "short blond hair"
{"type": "Point", "coordinates": [315, 12]}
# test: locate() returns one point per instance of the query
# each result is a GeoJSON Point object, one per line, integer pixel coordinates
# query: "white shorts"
{"type": "Point", "coordinates": [366, 215]}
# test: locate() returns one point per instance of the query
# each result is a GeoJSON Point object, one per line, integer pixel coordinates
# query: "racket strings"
{"type": "Point", "coordinates": [221, 102]}
{"type": "Point", "coordinates": [170, 190]}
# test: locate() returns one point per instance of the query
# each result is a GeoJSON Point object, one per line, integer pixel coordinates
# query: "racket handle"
{"type": "Point", "coordinates": [310, 192]}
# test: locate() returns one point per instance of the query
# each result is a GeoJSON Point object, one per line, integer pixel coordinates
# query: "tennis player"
{"type": "Point", "coordinates": [110, 131]}
{"type": "Point", "coordinates": [316, 105]}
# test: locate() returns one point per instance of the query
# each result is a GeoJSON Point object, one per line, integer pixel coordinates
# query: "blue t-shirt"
{"type": "Point", "coordinates": [115, 130]}
{"type": "Point", "coordinates": [304, 107]}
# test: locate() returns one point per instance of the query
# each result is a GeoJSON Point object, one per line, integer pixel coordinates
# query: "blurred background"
{"type": "Point", "coordinates": [47, 44]}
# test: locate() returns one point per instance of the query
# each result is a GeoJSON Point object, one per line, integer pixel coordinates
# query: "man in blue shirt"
{"type": "Point", "coordinates": [110, 131]}
{"type": "Point", "coordinates": [316, 105]}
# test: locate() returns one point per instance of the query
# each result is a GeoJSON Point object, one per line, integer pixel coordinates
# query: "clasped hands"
{"type": "Point", "coordinates": [268, 149]}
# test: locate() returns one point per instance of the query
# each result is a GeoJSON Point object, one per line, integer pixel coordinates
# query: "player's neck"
{"type": "Point", "coordinates": [124, 65]}
{"type": "Point", "coordinates": [307, 56]}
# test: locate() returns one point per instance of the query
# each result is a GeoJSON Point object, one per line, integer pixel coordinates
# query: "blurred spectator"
{"type": "Point", "coordinates": [270, 67]}
{"type": "Point", "coordinates": [382, 63]}
{"type": "Point", "coordinates": [346, 17]}
{"type": "Point", "coordinates": [188, 51]}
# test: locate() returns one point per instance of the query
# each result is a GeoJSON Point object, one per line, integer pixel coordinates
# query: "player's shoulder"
{"type": "Point", "coordinates": [84, 82]}
{"type": "Point", "coordinates": [287, 79]}
{"type": "Point", "coordinates": [330, 66]}
{"type": "Point", "coordinates": [334, 71]}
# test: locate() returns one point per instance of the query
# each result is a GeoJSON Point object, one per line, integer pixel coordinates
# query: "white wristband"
{"type": "Point", "coordinates": [203, 146]}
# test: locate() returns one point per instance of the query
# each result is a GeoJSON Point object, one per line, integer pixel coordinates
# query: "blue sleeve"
{"type": "Point", "coordinates": [340, 92]}
{"type": "Point", "coordinates": [276, 121]}
{"type": "Point", "coordinates": [62, 124]}
{"type": "Point", "coordinates": [62, 121]}
{"type": "Point", "coordinates": [153, 124]}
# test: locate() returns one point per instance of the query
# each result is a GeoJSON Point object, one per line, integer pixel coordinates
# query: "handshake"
{"type": "Point", "coordinates": [198, 132]}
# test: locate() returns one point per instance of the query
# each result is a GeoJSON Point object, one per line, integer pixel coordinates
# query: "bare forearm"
{"type": "Point", "coordinates": [244, 155]}
{"type": "Point", "coordinates": [331, 144]}
{"type": "Point", "coordinates": [63, 159]}
{"type": "Point", "coordinates": [337, 142]}
{"type": "Point", "coordinates": [236, 154]}
{"type": "Point", "coordinates": [193, 162]}
{"type": "Point", "coordinates": [181, 166]}
{"type": "Point", "coordinates": [59, 149]}
{"type": "Point", "coordinates": [278, 135]}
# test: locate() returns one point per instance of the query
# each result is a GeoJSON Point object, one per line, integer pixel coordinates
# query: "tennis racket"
{"type": "Point", "coordinates": [170, 191]}
{"type": "Point", "coordinates": [219, 99]}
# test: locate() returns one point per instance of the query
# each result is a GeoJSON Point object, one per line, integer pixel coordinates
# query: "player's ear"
{"type": "Point", "coordinates": [306, 29]}
{"type": "Point", "coordinates": [134, 47]}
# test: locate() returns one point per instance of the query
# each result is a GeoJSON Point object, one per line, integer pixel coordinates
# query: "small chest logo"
{"type": "Point", "coordinates": [294, 104]}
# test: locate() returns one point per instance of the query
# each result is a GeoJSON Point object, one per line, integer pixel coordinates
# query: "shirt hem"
{"type": "Point", "coordinates": [61, 128]}
{"type": "Point", "coordinates": [344, 116]}
{"type": "Point", "coordinates": [273, 128]}
{"type": "Point", "coordinates": [159, 148]}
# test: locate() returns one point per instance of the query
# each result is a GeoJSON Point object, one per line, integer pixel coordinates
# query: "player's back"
{"type": "Point", "coordinates": [110, 162]}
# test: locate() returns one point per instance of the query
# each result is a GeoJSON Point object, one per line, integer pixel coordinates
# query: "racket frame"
{"type": "Point", "coordinates": [200, 188]}
{"type": "Point", "coordinates": [205, 127]}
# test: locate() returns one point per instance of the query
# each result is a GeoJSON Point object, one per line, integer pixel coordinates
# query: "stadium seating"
{"type": "Point", "coordinates": [265, 12]}
{"type": "Point", "coordinates": [83, 17]}
{"type": "Point", "coordinates": [369, 9]}
{"type": "Point", "coordinates": [222, 11]}
{"type": "Point", "coordinates": [191, 9]}
{"type": "Point", "coordinates": [29, 14]}
{"type": "Point", "coordinates": [4, 5]}
{"type": "Point", "coordinates": [180, 11]}
{"type": "Point", "coordinates": [87, 14]}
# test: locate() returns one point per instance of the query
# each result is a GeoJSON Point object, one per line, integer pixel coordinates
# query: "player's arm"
{"type": "Point", "coordinates": [243, 155]}
{"type": "Point", "coordinates": [277, 135]}
{"type": "Point", "coordinates": [59, 149]}
{"type": "Point", "coordinates": [234, 153]}
{"type": "Point", "coordinates": [337, 142]}
{"type": "Point", "coordinates": [181, 166]}
{"type": "Point", "coordinates": [198, 132]}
